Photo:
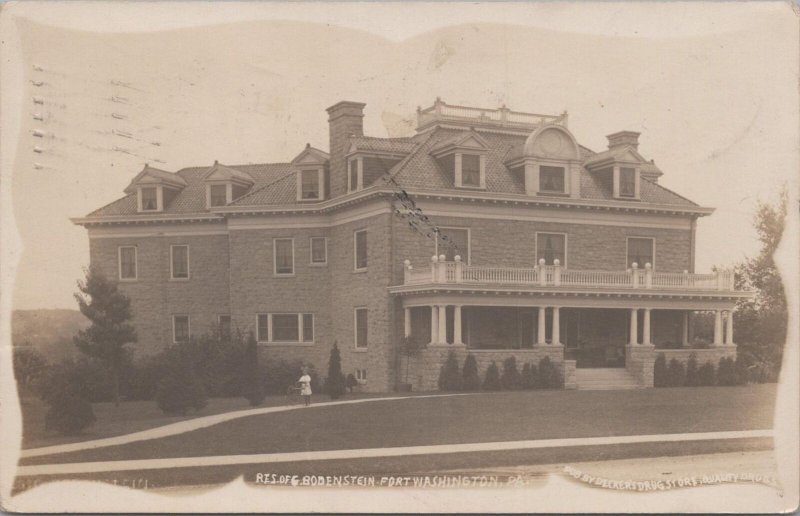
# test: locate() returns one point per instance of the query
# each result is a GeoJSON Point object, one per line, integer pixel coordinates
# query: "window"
{"type": "Point", "coordinates": [361, 328]}
{"type": "Point", "coordinates": [218, 195]}
{"type": "Point", "coordinates": [149, 198]}
{"type": "Point", "coordinates": [180, 328]}
{"type": "Point", "coordinates": [262, 328]}
{"type": "Point", "coordinates": [319, 250]}
{"type": "Point", "coordinates": [180, 261]}
{"type": "Point", "coordinates": [452, 242]}
{"type": "Point", "coordinates": [360, 245]}
{"type": "Point", "coordinates": [285, 328]}
{"type": "Point", "coordinates": [224, 326]}
{"type": "Point", "coordinates": [551, 247]}
{"type": "Point", "coordinates": [361, 375]}
{"type": "Point", "coordinates": [551, 179]}
{"type": "Point", "coordinates": [470, 170]}
{"type": "Point", "coordinates": [308, 327]}
{"type": "Point", "coordinates": [353, 174]}
{"type": "Point", "coordinates": [284, 256]}
{"type": "Point", "coordinates": [627, 182]}
{"type": "Point", "coordinates": [640, 251]}
{"type": "Point", "coordinates": [309, 184]}
{"type": "Point", "coordinates": [127, 263]}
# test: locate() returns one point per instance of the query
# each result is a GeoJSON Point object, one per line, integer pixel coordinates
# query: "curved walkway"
{"type": "Point", "coordinates": [201, 422]}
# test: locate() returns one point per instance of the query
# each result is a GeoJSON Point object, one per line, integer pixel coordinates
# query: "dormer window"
{"type": "Point", "coordinates": [551, 179]}
{"type": "Point", "coordinates": [627, 182]}
{"type": "Point", "coordinates": [149, 198]}
{"type": "Point", "coordinates": [309, 185]}
{"type": "Point", "coordinates": [471, 170]}
{"type": "Point", "coordinates": [218, 195]}
{"type": "Point", "coordinates": [311, 166]}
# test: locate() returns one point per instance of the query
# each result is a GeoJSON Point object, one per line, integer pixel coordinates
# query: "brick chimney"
{"type": "Point", "coordinates": [345, 119]}
{"type": "Point", "coordinates": [623, 138]}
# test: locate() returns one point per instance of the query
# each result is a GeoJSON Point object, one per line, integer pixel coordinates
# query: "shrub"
{"type": "Point", "coordinates": [530, 376]}
{"type": "Point", "coordinates": [252, 380]}
{"type": "Point", "coordinates": [180, 388]}
{"type": "Point", "coordinates": [549, 375]}
{"type": "Point", "coordinates": [334, 383]}
{"type": "Point", "coordinates": [706, 374]}
{"type": "Point", "coordinates": [450, 374]}
{"type": "Point", "coordinates": [140, 382]}
{"type": "Point", "coordinates": [29, 367]}
{"type": "Point", "coordinates": [726, 372]}
{"type": "Point", "coordinates": [741, 370]}
{"type": "Point", "coordinates": [470, 381]}
{"type": "Point", "coordinates": [69, 415]}
{"type": "Point", "coordinates": [660, 376]}
{"type": "Point", "coordinates": [692, 380]}
{"type": "Point", "coordinates": [511, 379]}
{"type": "Point", "coordinates": [492, 380]}
{"type": "Point", "coordinates": [676, 373]}
{"type": "Point", "coordinates": [350, 382]}
{"type": "Point", "coordinates": [85, 378]}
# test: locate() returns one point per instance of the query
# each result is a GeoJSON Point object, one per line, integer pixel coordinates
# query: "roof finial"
{"type": "Point", "coordinates": [308, 145]}
{"type": "Point", "coordinates": [216, 162]}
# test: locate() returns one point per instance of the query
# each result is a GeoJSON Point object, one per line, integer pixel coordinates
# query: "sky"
{"type": "Point", "coordinates": [711, 87]}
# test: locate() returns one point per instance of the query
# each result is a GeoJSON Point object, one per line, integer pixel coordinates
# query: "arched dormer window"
{"type": "Point", "coordinates": [551, 162]}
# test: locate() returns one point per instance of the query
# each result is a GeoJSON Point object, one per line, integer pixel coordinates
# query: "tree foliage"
{"type": "Point", "coordinates": [761, 322]}
{"type": "Point", "coordinates": [470, 379]}
{"type": "Point", "coordinates": [252, 380]}
{"type": "Point", "coordinates": [110, 331]}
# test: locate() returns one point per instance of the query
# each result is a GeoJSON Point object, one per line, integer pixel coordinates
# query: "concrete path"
{"type": "Point", "coordinates": [202, 422]}
{"type": "Point", "coordinates": [228, 460]}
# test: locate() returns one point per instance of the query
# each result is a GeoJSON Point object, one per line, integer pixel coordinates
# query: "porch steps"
{"type": "Point", "coordinates": [605, 379]}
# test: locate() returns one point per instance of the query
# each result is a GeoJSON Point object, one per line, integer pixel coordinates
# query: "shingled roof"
{"type": "Point", "coordinates": [274, 183]}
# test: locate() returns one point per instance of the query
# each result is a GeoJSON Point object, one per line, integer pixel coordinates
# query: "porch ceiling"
{"type": "Point", "coordinates": [473, 295]}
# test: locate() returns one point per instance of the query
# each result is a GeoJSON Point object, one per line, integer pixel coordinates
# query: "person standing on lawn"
{"type": "Point", "coordinates": [305, 387]}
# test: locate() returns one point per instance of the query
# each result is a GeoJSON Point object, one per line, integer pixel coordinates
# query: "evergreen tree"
{"type": "Point", "coordinates": [335, 383]}
{"type": "Point", "coordinates": [451, 374]}
{"type": "Point", "coordinates": [492, 380]}
{"type": "Point", "coordinates": [110, 332]}
{"type": "Point", "coordinates": [470, 379]}
{"type": "Point", "coordinates": [660, 371]}
{"type": "Point", "coordinates": [253, 389]}
{"type": "Point", "coordinates": [692, 379]}
{"type": "Point", "coordinates": [511, 379]}
{"type": "Point", "coordinates": [707, 374]}
{"type": "Point", "coordinates": [676, 373]}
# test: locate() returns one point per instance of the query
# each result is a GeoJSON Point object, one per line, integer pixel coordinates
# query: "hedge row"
{"type": "Point", "coordinates": [676, 374]}
{"type": "Point", "coordinates": [544, 376]}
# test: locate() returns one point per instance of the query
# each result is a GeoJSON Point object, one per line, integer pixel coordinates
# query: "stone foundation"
{"type": "Point", "coordinates": [640, 359]}
{"type": "Point", "coordinates": [424, 370]}
{"type": "Point", "coordinates": [712, 355]}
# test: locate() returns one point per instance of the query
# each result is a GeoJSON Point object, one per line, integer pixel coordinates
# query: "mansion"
{"type": "Point", "coordinates": [489, 231]}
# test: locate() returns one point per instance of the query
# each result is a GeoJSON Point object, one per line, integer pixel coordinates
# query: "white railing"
{"type": "Point", "coordinates": [442, 271]}
{"type": "Point", "coordinates": [502, 116]}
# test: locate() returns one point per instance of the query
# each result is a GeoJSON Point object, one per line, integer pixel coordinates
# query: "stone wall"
{"type": "Point", "coordinates": [639, 361]}
{"type": "Point", "coordinates": [712, 355]}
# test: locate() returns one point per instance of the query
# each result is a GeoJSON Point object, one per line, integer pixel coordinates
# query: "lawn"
{"type": "Point", "coordinates": [502, 416]}
{"type": "Point", "coordinates": [129, 417]}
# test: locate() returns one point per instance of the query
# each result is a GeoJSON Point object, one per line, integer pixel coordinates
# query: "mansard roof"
{"type": "Point", "coordinates": [274, 183]}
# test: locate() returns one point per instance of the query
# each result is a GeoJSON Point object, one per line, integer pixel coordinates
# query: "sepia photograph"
{"type": "Point", "coordinates": [385, 257]}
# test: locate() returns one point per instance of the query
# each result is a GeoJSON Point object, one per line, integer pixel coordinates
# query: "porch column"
{"type": "Point", "coordinates": [434, 323]}
{"type": "Point", "coordinates": [634, 327]}
{"type": "Point", "coordinates": [457, 325]}
{"type": "Point", "coordinates": [556, 327]}
{"type": "Point", "coordinates": [685, 335]}
{"type": "Point", "coordinates": [646, 327]}
{"type": "Point", "coordinates": [540, 327]}
{"type": "Point", "coordinates": [717, 327]}
{"type": "Point", "coordinates": [729, 328]}
{"type": "Point", "coordinates": [407, 322]}
{"type": "Point", "coordinates": [442, 324]}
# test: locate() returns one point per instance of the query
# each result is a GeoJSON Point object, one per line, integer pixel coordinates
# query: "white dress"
{"type": "Point", "coordinates": [305, 389]}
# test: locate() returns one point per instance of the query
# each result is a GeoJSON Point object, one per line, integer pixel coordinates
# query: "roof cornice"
{"type": "Point", "coordinates": [146, 219]}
